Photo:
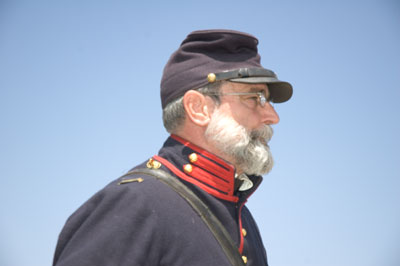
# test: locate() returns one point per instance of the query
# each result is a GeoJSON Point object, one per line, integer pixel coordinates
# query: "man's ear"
{"type": "Point", "coordinates": [197, 108]}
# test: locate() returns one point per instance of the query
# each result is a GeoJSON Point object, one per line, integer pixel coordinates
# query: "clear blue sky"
{"type": "Point", "coordinates": [79, 106]}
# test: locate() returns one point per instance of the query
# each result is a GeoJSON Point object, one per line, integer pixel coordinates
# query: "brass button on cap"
{"type": "Point", "coordinates": [244, 232]}
{"type": "Point", "coordinates": [193, 157]}
{"type": "Point", "coordinates": [211, 77]}
{"type": "Point", "coordinates": [244, 258]}
{"type": "Point", "coordinates": [188, 168]}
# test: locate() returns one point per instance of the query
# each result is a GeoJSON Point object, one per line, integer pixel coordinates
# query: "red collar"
{"type": "Point", "coordinates": [205, 170]}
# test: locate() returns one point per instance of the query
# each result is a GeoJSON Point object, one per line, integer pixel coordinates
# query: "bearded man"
{"type": "Point", "coordinates": [186, 205]}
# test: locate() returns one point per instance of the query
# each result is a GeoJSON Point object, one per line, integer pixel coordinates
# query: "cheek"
{"type": "Point", "coordinates": [247, 119]}
{"type": "Point", "coordinates": [243, 116]}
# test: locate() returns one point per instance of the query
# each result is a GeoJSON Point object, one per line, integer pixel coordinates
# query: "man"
{"type": "Point", "coordinates": [216, 100]}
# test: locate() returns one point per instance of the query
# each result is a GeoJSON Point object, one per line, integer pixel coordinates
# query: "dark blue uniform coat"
{"type": "Point", "coordinates": [144, 222]}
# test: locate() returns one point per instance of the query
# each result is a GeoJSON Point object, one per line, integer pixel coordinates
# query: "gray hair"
{"type": "Point", "coordinates": [174, 113]}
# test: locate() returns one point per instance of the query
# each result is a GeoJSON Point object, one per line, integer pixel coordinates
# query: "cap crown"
{"type": "Point", "coordinates": [204, 52]}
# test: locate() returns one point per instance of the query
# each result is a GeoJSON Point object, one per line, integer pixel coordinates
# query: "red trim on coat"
{"type": "Point", "coordinates": [240, 229]}
{"type": "Point", "coordinates": [214, 181]}
{"type": "Point", "coordinates": [240, 223]}
{"type": "Point", "coordinates": [214, 168]}
{"type": "Point", "coordinates": [210, 169]}
{"type": "Point", "coordinates": [205, 187]}
{"type": "Point", "coordinates": [229, 167]}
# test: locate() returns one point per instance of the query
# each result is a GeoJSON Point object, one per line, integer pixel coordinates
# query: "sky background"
{"type": "Point", "coordinates": [79, 106]}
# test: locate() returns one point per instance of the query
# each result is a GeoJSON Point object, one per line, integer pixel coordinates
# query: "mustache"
{"type": "Point", "coordinates": [264, 133]}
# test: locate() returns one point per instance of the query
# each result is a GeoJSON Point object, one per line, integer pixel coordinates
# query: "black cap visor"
{"type": "Point", "coordinates": [280, 91]}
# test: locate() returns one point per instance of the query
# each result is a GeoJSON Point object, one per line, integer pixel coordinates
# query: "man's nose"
{"type": "Point", "coordinates": [269, 115]}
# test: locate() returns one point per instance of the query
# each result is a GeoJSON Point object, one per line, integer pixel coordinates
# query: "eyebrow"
{"type": "Point", "coordinates": [266, 90]}
{"type": "Point", "coordinates": [254, 89]}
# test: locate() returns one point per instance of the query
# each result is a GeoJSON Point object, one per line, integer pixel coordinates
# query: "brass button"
{"type": "Point", "coordinates": [188, 168]}
{"type": "Point", "coordinates": [211, 77]}
{"type": "Point", "coordinates": [153, 164]}
{"type": "Point", "coordinates": [244, 232]}
{"type": "Point", "coordinates": [244, 258]}
{"type": "Point", "coordinates": [149, 164]}
{"type": "Point", "coordinates": [156, 164]}
{"type": "Point", "coordinates": [193, 157]}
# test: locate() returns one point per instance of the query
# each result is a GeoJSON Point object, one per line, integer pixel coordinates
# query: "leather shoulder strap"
{"type": "Point", "coordinates": [212, 222]}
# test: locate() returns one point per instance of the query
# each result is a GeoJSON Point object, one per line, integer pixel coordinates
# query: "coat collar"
{"type": "Point", "coordinates": [202, 168]}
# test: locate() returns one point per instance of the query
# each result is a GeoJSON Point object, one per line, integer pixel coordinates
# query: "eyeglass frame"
{"type": "Point", "coordinates": [261, 100]}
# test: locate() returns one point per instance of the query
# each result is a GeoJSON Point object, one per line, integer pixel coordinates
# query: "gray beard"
{"type": "Point", "coordinates": [248, 149]}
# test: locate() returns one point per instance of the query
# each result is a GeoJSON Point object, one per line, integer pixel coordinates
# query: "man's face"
{"type": "Point", "coordinates": [244, 109]}
{"type": "Point", "coordinates": [239, 128]}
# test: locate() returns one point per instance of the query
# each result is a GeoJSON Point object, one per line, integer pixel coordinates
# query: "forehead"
{"type": "Point", "coordinates": [244, 87]}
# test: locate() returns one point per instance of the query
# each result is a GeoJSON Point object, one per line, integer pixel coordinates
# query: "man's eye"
{"type": "Point", "coordinates": [251, 101]}
{"type": "Point", "coordinates": [253, 98]}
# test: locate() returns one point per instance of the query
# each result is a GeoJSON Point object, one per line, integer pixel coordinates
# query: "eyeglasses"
{"type": "Point", "coordinates": [257, 97]}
